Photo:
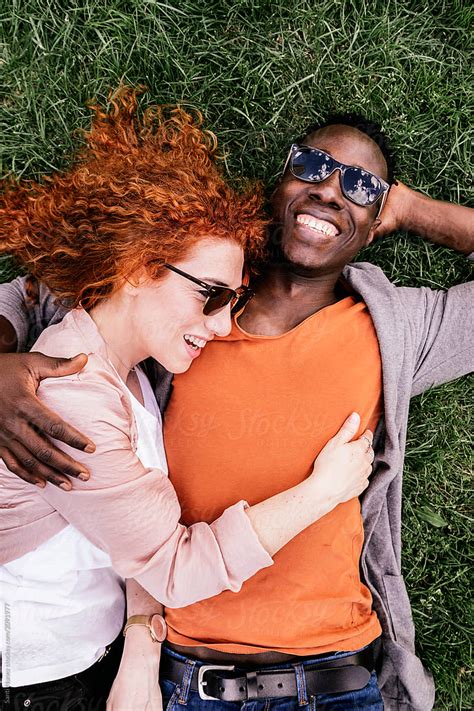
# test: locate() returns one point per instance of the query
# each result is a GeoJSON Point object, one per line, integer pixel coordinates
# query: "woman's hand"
{"type": "Point", "coordinates": [340, 472]}
{"type": "Point", "coordinates": [342, 468]}
{"type": "Point", "coordinates": [26, 424]}
{"type": "Point", "coordinates": [136, 686]}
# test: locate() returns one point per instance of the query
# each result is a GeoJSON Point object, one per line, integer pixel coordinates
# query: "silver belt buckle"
{"type": "Point", "coordinates": [202, 683]}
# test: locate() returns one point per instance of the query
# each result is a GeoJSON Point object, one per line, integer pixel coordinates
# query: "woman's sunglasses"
{"type": "Point", "coordinates": [358, 185]}
{"type": "Point", "coordinates": [218, 296]}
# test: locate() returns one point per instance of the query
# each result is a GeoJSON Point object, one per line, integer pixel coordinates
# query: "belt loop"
{"type": "Point", "coordinates": [252, 688]}
{"type": "Point", "coordinates": [301, 685]}
{"type": "Point", "coordinates": [186, 681]}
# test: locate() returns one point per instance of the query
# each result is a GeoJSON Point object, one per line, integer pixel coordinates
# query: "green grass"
{"type": "Point", "coordinates": [261, 71]}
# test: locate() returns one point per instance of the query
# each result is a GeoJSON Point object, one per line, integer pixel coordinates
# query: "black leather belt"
{"type": "Point", "coordinates": [227, 683]}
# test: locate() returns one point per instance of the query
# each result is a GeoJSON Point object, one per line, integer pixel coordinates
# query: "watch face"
{"type": "Point", "coordinates": [158, 628]}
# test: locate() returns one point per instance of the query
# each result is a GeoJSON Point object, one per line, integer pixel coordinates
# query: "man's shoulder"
{"type": "Point", "coordinates": [392, 308]}
{"type": "Point", "coordinates": [429, 328]}
{"type": "Point", "coordinates": [367, 275]}
{"type": "Point", "coordinates": [373, 286]}
{"type": "Point", "coordinates": [371, 283]}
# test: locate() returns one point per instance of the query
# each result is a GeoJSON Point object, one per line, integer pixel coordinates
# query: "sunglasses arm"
{"type": "Point", "coordinates": [382, 203]}
{"type": "Point", "coordinates": [287, 161]}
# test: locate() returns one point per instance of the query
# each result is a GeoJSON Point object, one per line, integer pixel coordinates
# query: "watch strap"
{"type": "Point", "coordinates": [148, 621]}
{"type": "Point", "coordinates": [137, 620]}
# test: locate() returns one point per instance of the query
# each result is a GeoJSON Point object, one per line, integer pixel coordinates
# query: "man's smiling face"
{"type": "Point", "coordinates": [321, 230]}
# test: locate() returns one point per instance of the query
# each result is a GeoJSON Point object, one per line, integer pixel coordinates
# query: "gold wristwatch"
{"type": "Point", "coordinates": [156, 625]}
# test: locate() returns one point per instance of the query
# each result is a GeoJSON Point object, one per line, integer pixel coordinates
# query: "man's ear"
{"type": "Point", "coordinates": [373, 229]}
{"type": "Point", "coordinates": [275, 188]}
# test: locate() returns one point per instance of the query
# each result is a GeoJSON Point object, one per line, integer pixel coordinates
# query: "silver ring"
{"type": "Point", "coordinates": [369, 443]}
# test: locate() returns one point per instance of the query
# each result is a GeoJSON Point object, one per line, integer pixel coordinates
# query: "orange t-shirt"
{"type": "Point", "coordinates": [247, 422]}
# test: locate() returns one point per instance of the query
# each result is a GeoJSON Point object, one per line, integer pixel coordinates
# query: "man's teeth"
{"type": "Point", "coordinates": [195, 342]}
{"type": "Point", "coordinates": [318, 225]}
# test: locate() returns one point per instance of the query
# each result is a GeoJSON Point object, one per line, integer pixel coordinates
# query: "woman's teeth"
{"type": "Point", "coordinates": [195, 342]}
{"type": "Point", "coordinates": [327, 228]}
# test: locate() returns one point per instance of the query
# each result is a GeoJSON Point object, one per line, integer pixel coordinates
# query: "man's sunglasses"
{"type": "Point", "coordinates": [218, 296]}
{"type": "Point", "coordinates": [358, 185]}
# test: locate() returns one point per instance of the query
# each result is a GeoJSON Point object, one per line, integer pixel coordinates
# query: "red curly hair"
{"type": "Point", "coordinates": [143, 191]}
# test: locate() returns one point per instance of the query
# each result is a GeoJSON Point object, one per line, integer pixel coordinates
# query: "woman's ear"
{"type": "Point", "coordinates": [134, 280]}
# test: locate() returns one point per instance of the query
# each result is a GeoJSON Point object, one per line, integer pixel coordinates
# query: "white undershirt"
{"type": "Point", "coordinates": [62, 604]}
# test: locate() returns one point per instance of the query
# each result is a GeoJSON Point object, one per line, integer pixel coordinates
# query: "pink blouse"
{"type": "Point", "coordinates": [125, 509]}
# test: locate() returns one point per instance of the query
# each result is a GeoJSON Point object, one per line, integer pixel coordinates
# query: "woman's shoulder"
{"type": "Point", "coordinates": [76, 333]}
{"type": "Point", "coordinates": [96, 392]}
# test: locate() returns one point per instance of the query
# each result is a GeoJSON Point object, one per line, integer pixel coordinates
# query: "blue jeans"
{"type": "Point", "coordinates": [179, 697]}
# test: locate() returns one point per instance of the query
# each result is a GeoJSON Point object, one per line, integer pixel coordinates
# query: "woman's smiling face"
{"type": "Point", "coordinates": [167, 315]}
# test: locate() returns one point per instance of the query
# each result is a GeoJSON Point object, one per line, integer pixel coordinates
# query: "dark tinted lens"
{"type": "Point", "coordinates": [218, 298]}
{"type": "Point", "coordinates": [311, 165]}
{"type": "Point", "coordinates": [242, 301]}
{"type": "Point", "coordinates": [361, 187]}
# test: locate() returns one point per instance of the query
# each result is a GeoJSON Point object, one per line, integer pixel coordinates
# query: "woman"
{"type": "Point", "coordinates": [146, 242]}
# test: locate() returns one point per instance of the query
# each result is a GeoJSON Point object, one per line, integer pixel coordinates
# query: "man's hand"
{"type": "Point", "coordinates": [392, 216]}
{"type": "Point", "coordinates": [443, 223]}
{"type": "Point", "coordinates": [26, 424]}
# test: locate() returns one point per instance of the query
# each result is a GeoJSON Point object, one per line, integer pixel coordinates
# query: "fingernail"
{"type": "Point", "coordinates": [354, 417]}
{"type": "Point", "coordinates": [83, 476]}
{"type": "Point", "coordinates": [89, 449]}
{"type": "Point", "coordinates": [41, 484]}
{"type": "Point", "coordinates": [66, 487]}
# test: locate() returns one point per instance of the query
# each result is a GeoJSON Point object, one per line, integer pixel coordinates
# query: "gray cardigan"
{"type": "Point", "coordinates": [425, 339]}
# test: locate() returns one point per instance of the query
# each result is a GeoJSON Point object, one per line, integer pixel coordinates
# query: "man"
{"type": "Point", "coordinates": [309, 346]}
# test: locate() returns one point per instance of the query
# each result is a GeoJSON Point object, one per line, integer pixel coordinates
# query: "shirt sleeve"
{"type": "Point", "coordinates": [133, 513]}
{"type": "Point", "coordinates": [27, 316]}
{"type": "Point", "coordinates": [13, 308]}
{"type": "Point", "coordinates": [442, 327]}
